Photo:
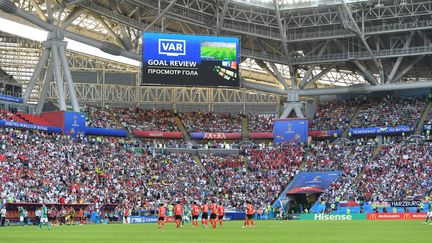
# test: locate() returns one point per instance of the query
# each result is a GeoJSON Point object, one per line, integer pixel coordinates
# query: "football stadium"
{"type": "Point", "coordinates": [215, 121]}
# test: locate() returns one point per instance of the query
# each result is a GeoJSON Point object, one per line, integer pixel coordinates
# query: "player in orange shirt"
{"type": "Point", "coordinates": [221, 211]}
{"type": "Point", "coordinates": [161, 215]}
{"type": "Point", "coordinates": [204, 216]}
{"type": "Point", "coordinates": [250, 211]}
{"type": "Point", "coordinates": [178, 211]}
{"type": "Point", "coordinates": [214, 214]}
{"type": "Point", "coordinates": [195, 213]}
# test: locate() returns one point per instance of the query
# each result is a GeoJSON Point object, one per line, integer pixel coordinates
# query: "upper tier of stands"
{"type": "Point", "coordinates": [200, 121]}
{"type": "Point", "coordinates": [391, 111]}
{"type": "Point", "coordinates": [334, 115]}
{"type": "Point", "coordinates": [100, 117]}
{"type": "Point", "coordinates": [147, 120]}
{"type": "Point", "coordinates": [261, 122]}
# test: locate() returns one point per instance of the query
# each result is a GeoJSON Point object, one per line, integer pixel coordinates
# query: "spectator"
{"type": "Point", "coordinates": [99, 117]}
{"type": "Point", "coordinates": [146, 120]}
{"type": "Point", "coordinates": [261, 122]}
{"type": "Point", "coordinates": [200, 121]}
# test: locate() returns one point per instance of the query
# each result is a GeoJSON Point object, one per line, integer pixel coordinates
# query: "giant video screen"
{"type": "Point", "coordinates": [190, 60]}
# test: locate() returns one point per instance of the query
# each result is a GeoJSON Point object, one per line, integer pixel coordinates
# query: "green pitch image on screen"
{"type": "Point", "coordinates": [218, 51]}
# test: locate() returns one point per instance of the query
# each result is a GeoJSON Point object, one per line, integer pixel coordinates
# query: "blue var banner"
{"type": "Point", "coordinates": [74, 124]}
{"type": "Point", "coordinates": [381, 130]}
{"type": "Point", "coordinates": [290, 130]}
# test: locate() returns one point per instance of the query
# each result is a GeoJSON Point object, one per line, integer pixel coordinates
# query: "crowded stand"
{"type": "Point", "coordinates": [261, 122]}
{"type": "Point", "coordinates": [349, 159]}
{"type": "Point", "coordinates": [99, 117]}
{"type": "Point", "coordinates": [391, 111]}
{"type": "Point", "coordinates": [166, 143]}
{"type": "Point", "coordinates": [399, 172]}
{"type": "Point", "coordinates": [201, 121]}
{"type": "Point", "coordinates": [274, 167]}
{"type": "Point", "coordinates": [271, 169]}
{"type": "Point", "coordinates": [334, 115]}
{"type": "Point", "coordinates": [146, 120]}
{"type": "Point", "coordinates": [38, 167]}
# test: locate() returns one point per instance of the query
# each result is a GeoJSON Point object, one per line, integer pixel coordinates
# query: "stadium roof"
{"type": "Point", "coordinates": [348, 41]}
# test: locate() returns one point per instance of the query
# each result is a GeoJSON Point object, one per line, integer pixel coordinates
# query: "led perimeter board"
{"type": "Point", "coordinates": [190, 60]}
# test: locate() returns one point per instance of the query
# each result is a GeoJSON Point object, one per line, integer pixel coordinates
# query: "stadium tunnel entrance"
{"type": "Point", "coordinates": [299, 199]}
{"type": "Point", "coordinates": [304, 190]}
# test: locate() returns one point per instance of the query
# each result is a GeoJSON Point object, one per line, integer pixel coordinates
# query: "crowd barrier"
{"type": "Point", "coordinates": [364, 216]}
{"type": "Point", "coordinates": [328, 133]}
{"type": "Point", "coordinates": [157, 134]}
{"type": "Point", "coordinates": [200, 151]}
{"type": "Point", "coordinates": [105, 132]}
{"type": "Point", "coordinates": [170, 219]}
{"type": "Point", "coordinates": [261, 135]}
{"type": "Point", "coordinates": [215, 136]}
{"type": "Point", "coordinates": [396, 216]}
{"type": "Point", "coordinates": [381, 130]}
{"type": "Point", "coordinates": [20, 125]}
{"type": "Point", "coordinates": [13, 213]}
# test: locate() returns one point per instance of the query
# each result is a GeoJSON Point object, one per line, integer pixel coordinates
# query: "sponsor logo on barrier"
{"type": "Point", "coordinates": [156, 134]}
{"type": "Point", "coordinates": [214, 136]}
{"type": "Point", "coordinates": [25, 125]}
{"type": "Point", "coordinates": [333, 217]}
{"type": "Point", "coordinates": [396, 216]}
{"type": "Point", "coordinates": [221, 135]}
{"type": "Point", "coordinates": [143, 219]}
{"type": "Point", "coordinates": [380, 130]}
{"type": "Point", "coordinates": [405, 203]}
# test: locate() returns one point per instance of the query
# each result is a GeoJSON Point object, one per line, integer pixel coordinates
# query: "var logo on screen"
{"type": "Point", "coordinates": [172, 47]}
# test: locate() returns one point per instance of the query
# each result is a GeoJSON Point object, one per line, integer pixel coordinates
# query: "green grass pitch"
{"type": "Point", "coordinates": [265, 231]}
{"type": "Point", "coordinates": [219, 53]}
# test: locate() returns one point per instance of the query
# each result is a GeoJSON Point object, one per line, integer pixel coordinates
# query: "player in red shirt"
{"type": "Point", "coordinates": [178, 211]}
{"type": "Point", "coordinates": [214, 213]}
{"type": "Point", "coordinates": [250, 211]}
{"type": "Point", "coordinates": [161, 215]}
{"type": "Point", "coordinates": [221, 211]}
{"type": "Point", "coordinates": [195, 214]}
{"type": "Point", "coordinates": [204, 216]}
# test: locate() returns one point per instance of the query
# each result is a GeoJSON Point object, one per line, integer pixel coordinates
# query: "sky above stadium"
{"type": "Point", "coordinates": [35, 34]}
